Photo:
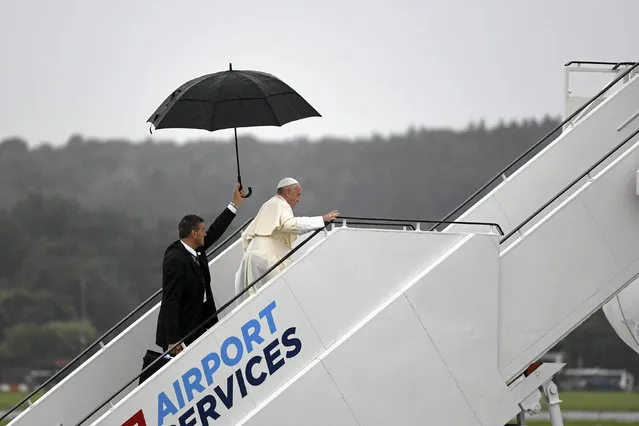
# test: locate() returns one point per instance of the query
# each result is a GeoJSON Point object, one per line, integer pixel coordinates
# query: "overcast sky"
{"type": "Point", "coordinates": [101, 68]}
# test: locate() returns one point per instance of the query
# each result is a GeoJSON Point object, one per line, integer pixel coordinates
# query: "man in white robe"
{"type": "Point", "coordinates": [271, 234]}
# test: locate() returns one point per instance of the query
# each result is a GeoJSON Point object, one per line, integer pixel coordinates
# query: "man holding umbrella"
{"type": "Point", "coordinates": [187, 299]}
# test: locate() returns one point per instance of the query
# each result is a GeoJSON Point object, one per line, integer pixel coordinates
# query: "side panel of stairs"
{"type": "Point", "coordinates": [288, 323]}
{"type": "Point", "coordinates": [569, 264]}
{"type": "Point", "coordinates": [427, 355]}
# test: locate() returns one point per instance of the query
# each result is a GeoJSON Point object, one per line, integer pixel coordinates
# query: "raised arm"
{"type": "Point", "coordinates": [303, 224]}
{"type": "Point", "coordinates": [222, 222]}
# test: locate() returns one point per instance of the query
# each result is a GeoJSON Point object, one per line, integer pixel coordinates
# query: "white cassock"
{"type": "Point", "coordinates": [267, 239]}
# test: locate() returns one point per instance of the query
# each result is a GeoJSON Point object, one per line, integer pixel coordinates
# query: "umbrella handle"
{"type": "Point", "coordinates": [248, 194]}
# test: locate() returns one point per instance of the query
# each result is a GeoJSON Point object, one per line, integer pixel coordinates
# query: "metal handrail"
{"type": "Point", "coordinates": [542, 140]}
{"type": "Point", "coordinates": [206, 321]}
{"type": "Point", "coordinates": [100, 339]}
{"type": "Point", "coordinates": [357, 222]}
{"type": "Point", "coordinates": [570, 185]}
{"type": "Point", "coordinates": [437, 222]}
{"type": "Point", "coordinates": [616, 64]}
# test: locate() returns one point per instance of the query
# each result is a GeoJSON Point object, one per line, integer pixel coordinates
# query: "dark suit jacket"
{"type": "Point", "coordinates": [184, 283]}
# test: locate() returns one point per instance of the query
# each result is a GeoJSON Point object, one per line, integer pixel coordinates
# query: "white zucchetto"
{"type": "Point", "coordinates": [286, 182]}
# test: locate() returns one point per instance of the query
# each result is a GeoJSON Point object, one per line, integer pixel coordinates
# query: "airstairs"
{"type": "Point", "coordinates": [381, 321]}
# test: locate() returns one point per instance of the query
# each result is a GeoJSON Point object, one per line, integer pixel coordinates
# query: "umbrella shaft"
{"type": "Point", "coordinates": [237, 158]}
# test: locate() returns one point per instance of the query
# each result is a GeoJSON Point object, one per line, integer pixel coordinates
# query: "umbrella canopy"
{"type": "Point", "coordinates": [231, 99]}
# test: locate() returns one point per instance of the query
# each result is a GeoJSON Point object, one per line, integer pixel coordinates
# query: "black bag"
{"type": "Point", "coordinates": [147, 359]}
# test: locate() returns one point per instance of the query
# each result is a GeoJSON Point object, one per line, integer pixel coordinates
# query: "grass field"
{"type": "Point", "coordinates": [9, 399]}
{"type": "Point", "coordinates": [581, 423]}
{"type": "Point", "coordinates": [599, 401]}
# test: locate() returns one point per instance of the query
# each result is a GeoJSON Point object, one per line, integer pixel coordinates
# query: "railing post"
{"type": "Point", "coordinates": [552, 398]}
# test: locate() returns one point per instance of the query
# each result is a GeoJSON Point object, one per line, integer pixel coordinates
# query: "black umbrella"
{"type": "Point", "coordinates": [232, 99]}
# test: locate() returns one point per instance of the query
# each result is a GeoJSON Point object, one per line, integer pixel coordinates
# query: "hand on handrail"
{"type": "Point", "coordinates": [330, 216]}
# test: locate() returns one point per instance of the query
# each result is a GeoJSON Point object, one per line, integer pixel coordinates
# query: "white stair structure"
{"type": "Point", "coordinates": [375, 327]}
